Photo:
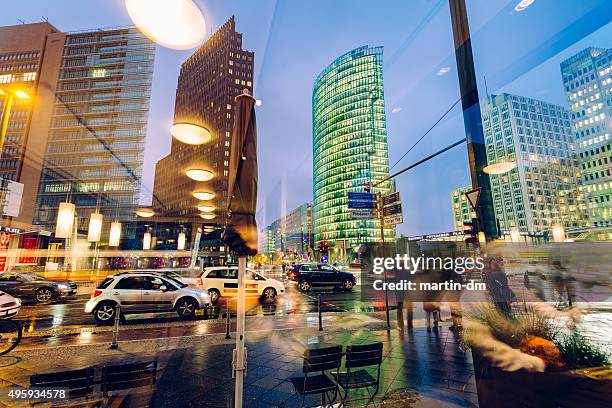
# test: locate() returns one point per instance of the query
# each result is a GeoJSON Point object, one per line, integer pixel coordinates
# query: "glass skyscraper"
{"type": "Point", "coordinates": [349, 145]}
{"type": "Point", "coordinates": [95, 150]}
{"type": "Point", "coordinates": [587, 78]}
{"type": "Point", "coordinates": [544, 188]}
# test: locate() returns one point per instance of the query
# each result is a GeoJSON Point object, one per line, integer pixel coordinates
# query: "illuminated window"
{"type": "Point", "coordinates": [29, 76]}
{"type": "Point", "coordinates": [5, 79]}
{"type": "Point", "coordinates": [98, 73]}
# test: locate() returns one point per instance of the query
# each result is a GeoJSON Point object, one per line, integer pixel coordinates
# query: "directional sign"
{"type": "Point", "coordinates": [390, 199]}
{"type": "Point", "coordinates": [394, 219]}
{"type": "Point", "coordinates": [392, 210]}
{"type": "Point", "coordinates": [473, 197]}
{"type": "Point", "coordinates": [362, 214]}
{"type": "Point", "coordinates": [355, 196]}
{"type": "Point", "coordinates": [361, 204]}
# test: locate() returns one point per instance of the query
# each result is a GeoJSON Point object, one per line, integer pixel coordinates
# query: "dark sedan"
{"type": "Point", "coordinates": [36, 287]}
{"type": "Point", "coordinates": [319, 275]}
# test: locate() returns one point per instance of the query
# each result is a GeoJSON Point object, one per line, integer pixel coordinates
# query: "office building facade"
{"type": "Point", "coordinates": [95, 149]}
{"type": "Point", "coordinates": [587, 78]}
{"type": "Point", "coordinates": [461, 208]}
{"type": "Point", "coordinates": [30, 59]}
{"type": "Point", "coordinates": [544, 188]}
{"type": "Point", "coordinates": [292, 234]}
{"type": "Point", "coordinates": [209, 81]}
{"type": "Point", "coordinates": [349, 146]}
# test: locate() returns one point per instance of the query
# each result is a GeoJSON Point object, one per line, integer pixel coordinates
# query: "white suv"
{"type": "Point", "coordinates": [143, 292]}
{"type": "Point", "coordinates": [223, 281]}
{"type": "Point", "coordinates": [9, 305]}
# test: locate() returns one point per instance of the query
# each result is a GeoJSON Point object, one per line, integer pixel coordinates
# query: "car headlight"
{"type": "Point", "coordinates": [62, 286]}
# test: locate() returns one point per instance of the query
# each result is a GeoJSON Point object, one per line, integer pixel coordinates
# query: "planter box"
{"type": "Point", "coordinates": [555, 388]}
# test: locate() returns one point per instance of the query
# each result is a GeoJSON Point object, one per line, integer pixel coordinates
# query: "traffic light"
{"type": "Point", "coordinates": [471, 231]}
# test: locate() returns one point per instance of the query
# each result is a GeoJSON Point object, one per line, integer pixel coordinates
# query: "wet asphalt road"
{"type": "Point", "coordinates": [70, 313]}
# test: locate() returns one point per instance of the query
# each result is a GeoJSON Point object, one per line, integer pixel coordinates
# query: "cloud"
{"type": "Point", "coordinates": [444, 71]}
{"type": "Point", "coordinates": [396, 110]}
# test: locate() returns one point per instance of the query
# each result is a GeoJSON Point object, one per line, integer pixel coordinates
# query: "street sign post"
{"type": "Point", "coordinates": [393, 219]}
{"type": "Point", "coordinates": [361, 204]}
{"type": "Point", "coordinates": [366, 214]}
{"type": "Point", "coordinates": [358, 196]}
{"type": "Point", "coordinates": [391, 199]}
{"type": "Point", "coordinates": [473, 197]}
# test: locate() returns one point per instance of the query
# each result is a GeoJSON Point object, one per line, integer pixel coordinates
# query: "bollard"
{"type": "Point", "coordinates": [319, 310]}
{"type": "Point", "coordinates": [227, 320]}
{"type": "Point", "coordinates": [114, 345]}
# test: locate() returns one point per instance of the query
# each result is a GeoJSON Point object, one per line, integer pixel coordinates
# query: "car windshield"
{"type": "Point", "coordinates": [176, 282]}
{"type": "Point", "coordinates": [33, 276]}
{"type": "Point", "coordinates": [173, 275]}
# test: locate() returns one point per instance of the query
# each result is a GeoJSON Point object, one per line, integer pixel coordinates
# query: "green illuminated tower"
{"type": "Point", "coordinates": [349, 146]}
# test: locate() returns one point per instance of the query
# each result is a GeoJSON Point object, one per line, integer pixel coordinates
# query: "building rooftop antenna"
{"type": "Point", "coordinates": [21, 21]}
{"type": "Point", "coordinates": [45, 19]}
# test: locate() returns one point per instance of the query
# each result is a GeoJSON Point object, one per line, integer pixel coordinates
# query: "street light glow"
{"type": "Point", "coordinates": [176, 24]}
{"type": "Point", "coordinates": [191, 134]}
{"type": "Point", "coordinates": [22, 95]}
{"type": "Point", "coordinates": [145, 212]}
{"type": "Point", "coordinates": [203, 195]}
{"type": "Point", "coordinates": [199, 174]}
{"type": "Point", "coordinates": [206, 208]}
{"type": "Point", "coordinates": [499, 168]}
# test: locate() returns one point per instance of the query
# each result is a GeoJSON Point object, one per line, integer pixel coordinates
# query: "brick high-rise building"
{"type": "Point", "coordinates": [209, 81]}
{"type": "Point", "coordinates": [30, 59]}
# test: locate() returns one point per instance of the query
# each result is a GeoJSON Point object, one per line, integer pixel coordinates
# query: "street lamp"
{"type": "Point", "coordinates": [499, 168]}
{"type": "Point", "coordinates": [145, 212]}
{"type": "Point", "coordinates": [177, 24]}
{"type": "Point", "coordinates": [191, 134]}
{"type": "Point", "coordinates": [6, 112]}
{"type": "Point", "coordinates": [206, 208]}
{"type": "Point", "coordinates": [199, 174]}
{"type": "Point", "coordinates": [207, 216]}
{"type": "Point", "coordinates": [203, 195]}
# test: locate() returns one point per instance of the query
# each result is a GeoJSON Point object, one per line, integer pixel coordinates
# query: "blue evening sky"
{"type": "Point", "coordinates": [517, 52]}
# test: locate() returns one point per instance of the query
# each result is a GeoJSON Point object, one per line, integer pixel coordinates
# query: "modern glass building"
{"type": "Point", "coordinates": [544, 187]}
{"type": "Point", "coordinates": [95, 150]}
{"type": "Point", "coordinates": [587, 78]}
{"type": "Point", "coordinates": [349, 146]}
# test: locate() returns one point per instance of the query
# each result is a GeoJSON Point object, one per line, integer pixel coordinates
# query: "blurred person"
{"type": "Point", "coordinates": [494, 276]}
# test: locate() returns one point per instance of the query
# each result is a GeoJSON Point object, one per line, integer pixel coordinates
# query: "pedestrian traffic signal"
{"type": "Point", "coordinates": [470, 229]}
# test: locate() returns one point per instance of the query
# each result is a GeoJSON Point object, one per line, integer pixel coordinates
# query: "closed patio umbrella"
{"type": "Point", "coordinates": [240, 232]}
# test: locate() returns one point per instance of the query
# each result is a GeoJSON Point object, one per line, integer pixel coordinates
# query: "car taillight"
{"type": "Point", "coordinates": [199, 281]}
{"type": "Point", "coordinates": [96, 292]}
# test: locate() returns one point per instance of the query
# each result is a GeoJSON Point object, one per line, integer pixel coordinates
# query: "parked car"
{"type": "Point", "coordinates": [187, 280]}
{"type": "Point", "coordinates": [9, 305]}
{"type": "Point", "coordinates": [308, 276]}
{"type": "Point", "coordinates": [144, 292]}
{"type": "Point", "coordinates": [36, 287]}
{"type": "Point", "coordinates": [223, 281]}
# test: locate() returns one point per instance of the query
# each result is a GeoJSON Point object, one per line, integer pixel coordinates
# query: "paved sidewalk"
{"type": "Point", "coordinates": [197, 373]}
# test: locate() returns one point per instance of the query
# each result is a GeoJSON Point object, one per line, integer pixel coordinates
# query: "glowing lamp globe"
{"type": "Point", "coordinates": [203, 195]}
{"type": "Point", "coordinates": [199, 174]}
{"type": "Point", "coordinates": [206, 208]}
{"type": "Point", "coordinates": [208, 216]}
{"type": "Point", "coordinates": [115, 234]}
{"type": "Point", "coordinates": [94, 232]}
{"type": "Point", "coordinates": [65, 220]}
{"type": "Point", "coordinates": [176, 24]}
{"type": "Point", "coordinates": [181, 241]}
{"type": "Point", "coordinates": [190, 134]}
{"type": "Point", "coordinates": [499, 168]}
